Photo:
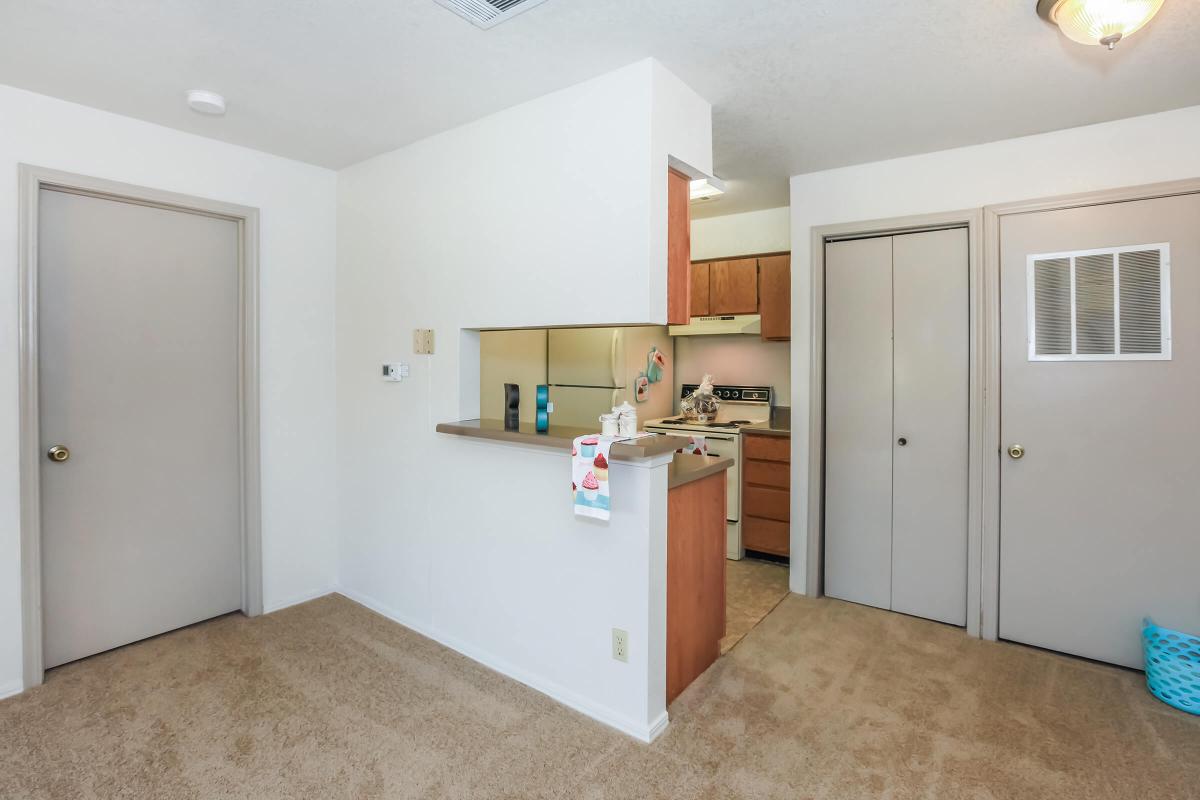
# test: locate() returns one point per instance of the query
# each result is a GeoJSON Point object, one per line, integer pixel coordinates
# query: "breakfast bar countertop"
{"type": "Point", "coordinates": [688, 467]}
{"type": "Point", "coordinates": [559, 437]}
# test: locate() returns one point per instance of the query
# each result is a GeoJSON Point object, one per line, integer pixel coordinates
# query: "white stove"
{"type": "Point", "coordinates": [740, 406]}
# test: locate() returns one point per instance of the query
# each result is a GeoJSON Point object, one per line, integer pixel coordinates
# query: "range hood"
{"type": "Point", "coordinates": [711, 326]}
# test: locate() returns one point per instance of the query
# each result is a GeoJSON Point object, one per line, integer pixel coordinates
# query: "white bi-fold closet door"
{"type": "Point", "coordinates": [896, 416]}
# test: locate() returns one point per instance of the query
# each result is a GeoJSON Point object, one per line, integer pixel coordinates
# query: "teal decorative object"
{"type": "Point", "coordinates": [1172, 666]}
{"type": "Point", "coordinates": [543, 408]}
{"type": "Point", "coordinates": [655, 363]}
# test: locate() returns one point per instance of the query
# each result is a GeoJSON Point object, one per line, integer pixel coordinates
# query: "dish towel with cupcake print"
{"type": "Point", "coordinates": [589, 475]}
{"type": "Point", "coordinates": [695, 446]}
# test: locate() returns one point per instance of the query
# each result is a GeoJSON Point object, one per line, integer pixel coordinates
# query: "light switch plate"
{"type": "Point", "coordinates": [423, 341]}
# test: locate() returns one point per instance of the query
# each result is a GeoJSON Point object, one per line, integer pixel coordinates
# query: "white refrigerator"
{"type": "Point", "coordinates": [590, 370]}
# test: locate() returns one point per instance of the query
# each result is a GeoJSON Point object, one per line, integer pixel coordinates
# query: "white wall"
{"type": "Point", "coordinates": [748, 233]}
{"type": "Point", "coordinates": [297, 259]}
{"type": "Point", "coordinates": [542, 214]}
{"type": "Point", "coordinates": [1148, 149]}
{"type": "Point", "coordinates": [736, 360]}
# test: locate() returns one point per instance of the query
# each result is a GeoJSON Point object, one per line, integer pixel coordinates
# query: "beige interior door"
{"type": "Point", "coordinates": [929, 418]}
{"type": "Point", "coordinates": [896, 386]}
{"type": "Point", "coordinates": [138, 319]}
{"type": "Point", "coordinates": [858, 421]}
{"type": "Point", "coordinates": [1100, 386]}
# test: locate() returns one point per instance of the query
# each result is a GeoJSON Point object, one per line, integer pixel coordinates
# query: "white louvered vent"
{"type": "Point", "coordinates": [488, 13]}
{"type": "Point", "coordinates": [1100, 305]}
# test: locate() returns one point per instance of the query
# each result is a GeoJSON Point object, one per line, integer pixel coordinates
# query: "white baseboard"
{"type": "Point", "coordinates": [11, 688]}
{"type": "Point", "coordinates": [296, 600]}
{"type": "Point", "coordinates": [659, 726]}
{"type": "Point", "coordinates": [614, 719]}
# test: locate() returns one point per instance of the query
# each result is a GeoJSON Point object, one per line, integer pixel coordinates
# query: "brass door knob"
{"type": "Point", "coordinates": [1016, 451]}
{"type": "Point", "coordinates": [58, 453]}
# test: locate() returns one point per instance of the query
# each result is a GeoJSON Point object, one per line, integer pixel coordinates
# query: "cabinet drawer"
{"type": "Point", "coordinates": [767, 473]}
{"type": "Point", "coordinates": [758, 501]}
{"type": "Point", "coordinates": [766, 536]}
{"type": "Point", "coordinates": [767, 448]}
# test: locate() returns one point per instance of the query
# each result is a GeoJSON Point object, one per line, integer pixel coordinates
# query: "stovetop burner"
{"type": "Point", "coordinates": [733, 423]}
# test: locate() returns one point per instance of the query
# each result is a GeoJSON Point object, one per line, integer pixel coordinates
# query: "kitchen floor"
{"type": "Point", "coordinates": [823, 699]}
{"type": "Point", "coordinates": [752, 589]}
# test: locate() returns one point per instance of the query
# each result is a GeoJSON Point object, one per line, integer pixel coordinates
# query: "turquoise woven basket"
{"type": "Point", "coordinates": [1172, 666]}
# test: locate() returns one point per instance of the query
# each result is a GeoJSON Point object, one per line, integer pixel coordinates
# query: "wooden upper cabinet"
{"type": "Point", "coordinates": [700, 296]}
{"type": "Point", "coordinates": [775, 291]}
{"type": "Point", "coordinates": [679, 249]}
{"type": "Point", "coordinates": [733, 287]}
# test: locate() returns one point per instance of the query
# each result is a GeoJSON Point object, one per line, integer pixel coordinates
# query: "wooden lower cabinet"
{"type": "Point", "coordinates": [695, 579]}
{"type": "Point", "coordinates": [766, 494]}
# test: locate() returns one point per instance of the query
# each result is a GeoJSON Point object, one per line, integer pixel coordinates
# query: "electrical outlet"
{"type": "Point", "coordinates": [620, 645]}
{"type": "Point", "coordinates": [423, 341]}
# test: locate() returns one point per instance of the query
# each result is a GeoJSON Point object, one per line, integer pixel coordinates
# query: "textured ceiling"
{"type": "Point", "coordinates": [796, 85]}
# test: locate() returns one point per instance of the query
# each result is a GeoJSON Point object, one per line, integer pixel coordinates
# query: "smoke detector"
{"type": "Point", "coordinates": [488, 13]}
{"type": "Point", "coordinates": [206, 102]}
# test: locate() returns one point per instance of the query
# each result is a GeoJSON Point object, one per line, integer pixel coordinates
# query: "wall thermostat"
{"type": "Point", "coordinates": [395, 372]}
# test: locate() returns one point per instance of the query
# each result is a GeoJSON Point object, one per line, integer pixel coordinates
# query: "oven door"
{"type": "Point", "coordinates": [727, 446]}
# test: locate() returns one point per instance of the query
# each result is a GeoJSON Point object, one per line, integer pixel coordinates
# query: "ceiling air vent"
{"type": "Point", "coordinates": [486, 13]}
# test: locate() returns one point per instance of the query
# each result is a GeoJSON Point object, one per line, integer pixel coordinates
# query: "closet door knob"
{"type": "Point", "coordinates": [902, 441]}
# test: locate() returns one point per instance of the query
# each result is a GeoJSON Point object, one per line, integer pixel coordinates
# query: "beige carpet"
{"type": "Point", "coordinates": [752, 589]}
{"type": "Point", "coordinates": [821, 700]}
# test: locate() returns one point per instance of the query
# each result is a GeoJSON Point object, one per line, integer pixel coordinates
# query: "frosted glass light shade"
{"type": "Point", "coordinates": [1098, 22]}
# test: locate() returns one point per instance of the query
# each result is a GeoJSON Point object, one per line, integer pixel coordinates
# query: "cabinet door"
{"type": "Point", "coordinates": [775, 291]}
{"type": "Point", "coordinates": [679, 249]}
{"type": "Point", "coordinates": [700, 297]}
{"type": "Point", "coordinates": [734, 287]}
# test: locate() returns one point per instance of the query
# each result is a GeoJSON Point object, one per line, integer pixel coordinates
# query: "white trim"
{"type": "Point", "coordinates": [11, 688]}
{"type": "Point", "coordinates": [31, 180]}
{"type": "Point", "coordinates": [1164, 249]}
{"type": "Point", "coordinates": [297, 599]}
{"type": "Point", "coordinates": [638, 730]}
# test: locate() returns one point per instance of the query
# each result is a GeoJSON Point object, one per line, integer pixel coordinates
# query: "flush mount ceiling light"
{"type": "Point", "coordinates": [706, 189]}
{"type": "Point", "coordinates": [206, 102]}
{"type": "Point", "coordinates": [1098, 22]}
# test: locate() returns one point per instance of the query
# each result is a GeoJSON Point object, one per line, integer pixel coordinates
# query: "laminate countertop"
{"type": "Point", "coordinates": [683, 469]}
{"type": "Point", "coordinates": [559, 437]}
{"type": "Point", "coordinates": [780, 423]}
{"type": "Point", "coordinates": [688, 467]}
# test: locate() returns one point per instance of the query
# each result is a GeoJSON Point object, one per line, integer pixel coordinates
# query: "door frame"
{"type": "Point", "coordinates": [981, 323]}
{"type": "Point", "coordinates": [32, 179]}
{"type": "Point", "coordinates": [992, 215]}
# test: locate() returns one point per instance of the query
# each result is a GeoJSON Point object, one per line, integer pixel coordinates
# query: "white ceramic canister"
{"type": "Point", "coordinates": [610, 424]}
{"type": "Point", "coordinates": [628, 421]}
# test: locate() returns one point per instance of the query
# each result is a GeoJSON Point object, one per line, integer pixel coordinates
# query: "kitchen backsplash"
{"type": "Point", "coordinates": [744, 360]}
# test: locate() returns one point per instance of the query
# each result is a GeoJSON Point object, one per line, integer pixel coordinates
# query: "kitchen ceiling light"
{"type": "Point", "coordinates": [206, 102]}
{"type": "Point", "coordinates": [1098, 22]}
{"type": "Point", "coordinates": [706, 189]}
